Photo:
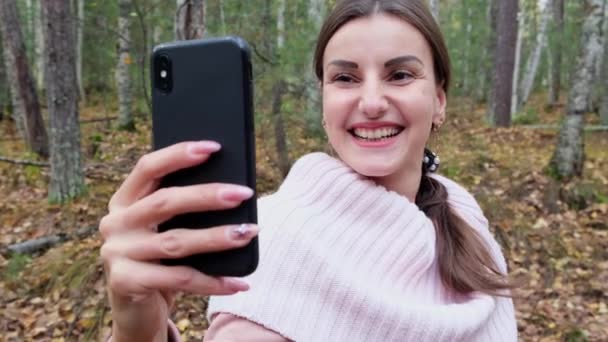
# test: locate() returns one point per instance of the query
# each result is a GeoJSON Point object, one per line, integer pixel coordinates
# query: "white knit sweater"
{"type": "Point", "coordinates": [343, 259]}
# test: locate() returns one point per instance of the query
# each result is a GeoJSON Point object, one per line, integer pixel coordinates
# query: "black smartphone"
{"type": "Point", "coordinates": [203, 90]}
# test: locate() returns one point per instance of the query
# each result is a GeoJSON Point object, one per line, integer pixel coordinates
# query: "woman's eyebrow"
{"type": "Point", "coordinates": [401, 60]}
{"type": "Point", "coordinates": [344, 64]}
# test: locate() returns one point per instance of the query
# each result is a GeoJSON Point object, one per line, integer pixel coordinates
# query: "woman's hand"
{"type": "Point", "coordinates": [141, 290]}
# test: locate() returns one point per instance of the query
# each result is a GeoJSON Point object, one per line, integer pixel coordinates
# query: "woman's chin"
{"type": "Point", "coordinates": [374, 171]}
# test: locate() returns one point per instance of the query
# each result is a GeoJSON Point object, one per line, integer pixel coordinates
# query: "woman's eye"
{"type": "Point", "coordinates": [401, 76]}
{"type": "Point", "coordinates": [344, 78]}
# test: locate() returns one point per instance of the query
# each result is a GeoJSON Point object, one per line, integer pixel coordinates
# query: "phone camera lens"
{"type": "Point", "coordinates": [163, 78]}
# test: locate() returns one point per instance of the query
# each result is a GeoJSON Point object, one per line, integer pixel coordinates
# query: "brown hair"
{"type": "Point", "coordinates": [465, 262]}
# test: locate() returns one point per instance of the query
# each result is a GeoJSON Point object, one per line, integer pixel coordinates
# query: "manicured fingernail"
{"type": "Point", "coordinates": [236, 285]}
{"type": "Point", "coordinates": [243, 231]}
{"type": "Point", "coordinates": [235, 193]}
{"type": "Point", "coordinates": [203, 147]}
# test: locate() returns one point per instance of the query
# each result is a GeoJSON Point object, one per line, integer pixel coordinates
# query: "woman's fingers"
{"type": "Point", "coordinates": [129, 278]}
{"type": "Point", "coordinates": [150, 168]}
{"type": "Point", "coordinates": [178, 243]}
{"type": "Point", "coordinates": [165, 203]}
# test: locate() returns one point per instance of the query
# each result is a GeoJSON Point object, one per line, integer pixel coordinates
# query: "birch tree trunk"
{"type": "Point", "coordinates": [568, 157]}
{"type": "Point", "coordinates": [556, 52]}
{"type": "Point", "coordinates": [434, 6]}
{"type": "Point", "coordinates": [38, 48]}
{"type": "Point", "coordinates": [62, 98]}
{"type": "Point", "coordinates": [490, 60]}
{"type": "Point", "coordinates": [505, 62]}
{"type": "Point", "coordinates": [521, 20]}
{"type": "Point", "coordinates": [79, 35]}
{"type": "Point", "coordinates": [26, 108]}
{"type": "Point", "coordinates": [123, 74]}
{"type": "Point", "coordinates": [189, 19]}
{"type": "Point", "coordinates": [532, 66]}
{"type": "Point", "coordinates": [604, 76]}
{"type": "Point", "coordinates": [278, 91]}
{"type": "Point", "coordinates": [4, 92]}
{"type": "Point", "coordinates": [316, 12]}
{"type": "Point", "coordinates": [467, 49]}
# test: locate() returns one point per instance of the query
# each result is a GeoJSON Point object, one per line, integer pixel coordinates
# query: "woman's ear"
{"type": "Point", "coordinates": [441, 103]}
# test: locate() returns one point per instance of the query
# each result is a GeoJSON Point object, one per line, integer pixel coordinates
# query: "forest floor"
{"type": "Point", "coordinates": [555, 234]}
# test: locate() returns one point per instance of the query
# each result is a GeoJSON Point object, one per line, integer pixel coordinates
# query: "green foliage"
{"type": "Point", "coordinates": [530, 116]}
{"type": "Point", "coordinates": [575, 335]}
{"type": "Point", "coordinates": [451, 171]}
{"type": "Point", "coordinates": [16, 264]}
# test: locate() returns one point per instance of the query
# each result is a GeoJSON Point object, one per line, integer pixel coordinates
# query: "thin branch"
{"type": "Point", "coordinates": [23, 162]}
{"type": "Point", "coordinates": [262, 57]}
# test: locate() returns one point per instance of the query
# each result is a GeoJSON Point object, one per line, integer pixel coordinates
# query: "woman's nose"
{"type": "Point", "coordinates": [373, 102]}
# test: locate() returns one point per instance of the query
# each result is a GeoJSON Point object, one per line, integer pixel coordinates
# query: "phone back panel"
{"type": "Point", "coordinates": [210, 99]}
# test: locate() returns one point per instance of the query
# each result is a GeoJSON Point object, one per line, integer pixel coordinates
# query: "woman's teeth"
{"type": "Point", "coordinates": [376, 134]}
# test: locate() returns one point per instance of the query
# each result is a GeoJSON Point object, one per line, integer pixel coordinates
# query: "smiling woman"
{"type": "Point", "coordinates": [368, 246]}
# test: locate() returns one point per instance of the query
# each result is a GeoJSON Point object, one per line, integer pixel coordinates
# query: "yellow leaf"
{"type": "Point", "coordinates": [127, 59]}
{"type": "Point", "coordinates": [183, 324]}
{"type": "Point", "coordinates": [86, 323]}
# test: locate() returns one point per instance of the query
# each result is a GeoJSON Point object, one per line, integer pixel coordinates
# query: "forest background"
{"type": "Point", "coordinates": [526, 134]}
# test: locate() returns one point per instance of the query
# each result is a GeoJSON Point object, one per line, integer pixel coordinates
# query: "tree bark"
{"type": "Point", "coordinates": [189, 19]}
{"type": "Point", "coordinates": [79, 35]}
{"type": "Point", "coordinates": [521, 19]}
{"type": "Point", "coordinates": [569, 154]}
{"type": "Point", "coordinates": [4, 92]}
{"type": "Point", "coordinates": [67, 179]}
{"type": "Point", "coordinates": [466, 60]}
{"type": "Point", "coordinates": [604, 76]}
{"type": "Point", "coordinates": [533, 62]}
{"type": "Point", "coordinates": [556, 52]}
{"type": "Point", "coordinates": [38, 49]}
{"type": "Point", "coordinates": [123, 75]}
{"type": "Point", "coordinates": [505, 62]}
{"type": "Point", "coordinates": [490, 60]}
{"type": "Point", "coordinates": [23, 92]}
{"type": "Point", "coordinates": [316, 12]}
{"type": "Point", "coordinates": [278, 90]}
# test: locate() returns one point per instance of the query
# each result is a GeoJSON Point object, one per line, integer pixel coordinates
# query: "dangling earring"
{"type": "Point", "coordinates": [430, 162]}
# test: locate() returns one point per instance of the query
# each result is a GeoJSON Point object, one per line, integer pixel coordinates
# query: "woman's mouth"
{"type": "Point", "coordinates": [375, 134]}
{"type": "Point", "coordinates": [375, 137]}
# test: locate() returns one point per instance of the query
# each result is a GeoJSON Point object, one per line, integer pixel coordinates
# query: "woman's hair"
{"type": "Point", "coordinates": [464, 260]}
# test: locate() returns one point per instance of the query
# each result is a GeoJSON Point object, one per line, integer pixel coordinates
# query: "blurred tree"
{"type": "Point", "coordinates": [123, 75]}
{"type": "Point", "coordinates": [556, 51]}
{"type": "Point", "coordinates": [316, 13]}
{"type": "Point", "coordinates": [79, 27]}
{"type": "Point", "coordinates": [278, 91]}
{"type": "Point", "coordinates": [504, 63]}
{"type": "Point", "coordinates": [189, 19]}
{"type": "Point", "coordinates": [604, 76]}
{"type": "Point", "coordinates": [434, 6]}
{"type": "Point", "coordinates": [569, 154]}
{"type": "Point", "coordinates": [490, 63]}
{"type": "Point", "coordinates": [67, 179]}
{"type": "Point", "coordinates": [4, 92]}
{"type": "Point", "coordinates": [38, 48]}
{"type": "Point", "coordinates": [532, 66]}
{"type": "Point", "coordinates": [23, 92]}
{"type": "Point", "coordinates": [521, 28]}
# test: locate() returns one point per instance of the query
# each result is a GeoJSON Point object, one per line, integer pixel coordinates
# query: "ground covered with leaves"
{"type": "Point", "coordinates": [554, 234]}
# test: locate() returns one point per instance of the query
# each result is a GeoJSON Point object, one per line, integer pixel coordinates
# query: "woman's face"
{"type": "Point", "coordinates": [380, 97]}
